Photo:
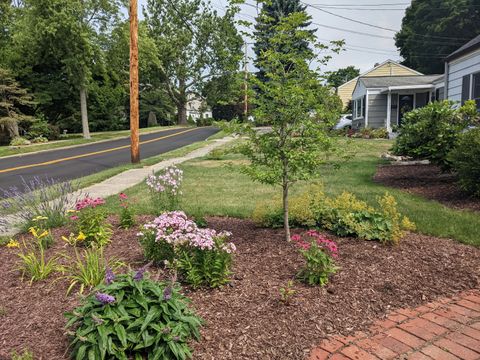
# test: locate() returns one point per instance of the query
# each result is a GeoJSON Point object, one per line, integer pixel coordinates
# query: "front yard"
{"type": "Point", "coordinates": [263, 308]}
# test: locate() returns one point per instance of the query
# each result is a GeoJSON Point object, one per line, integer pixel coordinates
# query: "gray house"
{"type": "Point", "coordinates": [462, 73]}
{"type": "Point", "coordinates": [383, 101]}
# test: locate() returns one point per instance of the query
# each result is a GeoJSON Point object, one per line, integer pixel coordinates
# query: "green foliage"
{"type": "Point", "coordinates": [88, 270]}
{"type": "Point", "coordinates": [287, 292]}
{"type": "Point", "coordinates": [147, 320]}
{"type": "Point", "coordinates": [92, 222]}
{"type": "Point", "coordinates": [431, 132]}
{"type": "Point", "coordinates": [34, 264]}
{"type": "Point", "coordinates": [465, 160]}
{"type": "Point", "coordinates": [367, 133]}
{"type": "Point", "coordinates": [155, 251]}
{"type": "Point", "coordinates": [24, 355]}
{"type": "Point", "coordinates": [319, 266]}
{"type": "Point", "coordinates": [41, 128]}
{"type": "Point", "coordinates": [432, 29]}
{"type": "Point", "coordinates": [341, 76]}
{"type": "Point", "coordinates": [299, 109]}
{"type": "Point", "coordinates": [344, 215]}
{"type": "Point", "coordinates": [203, 267]}
{"type": "Point", "coordinates": [41, 231]}
{"type": "Point", "coordinates": [19, 141]}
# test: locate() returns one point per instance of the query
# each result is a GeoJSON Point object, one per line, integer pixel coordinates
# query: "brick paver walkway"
{"type": "Point", "coordinates": [448, 329]}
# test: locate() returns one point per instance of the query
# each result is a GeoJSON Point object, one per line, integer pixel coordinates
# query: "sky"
{"type": "Point", "coordinates": [361, 51]}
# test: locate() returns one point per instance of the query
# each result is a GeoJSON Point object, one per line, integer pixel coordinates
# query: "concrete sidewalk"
{"type": "Point", "coordinates": [125, 180]}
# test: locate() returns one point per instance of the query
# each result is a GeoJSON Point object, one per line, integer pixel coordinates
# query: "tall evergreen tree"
{"type": "Point", "coordinates": [432, 29]}
{"type": "Point", "coordinates": [270, 16]}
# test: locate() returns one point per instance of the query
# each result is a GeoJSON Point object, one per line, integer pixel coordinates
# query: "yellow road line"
{"type": "Point", "coordinates": [90, 154]}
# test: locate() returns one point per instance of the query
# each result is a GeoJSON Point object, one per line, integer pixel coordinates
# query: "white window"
{"type": "Point", "coordinates": [358, 110]}
{"type": "Point", "coordinates": [471, 88]}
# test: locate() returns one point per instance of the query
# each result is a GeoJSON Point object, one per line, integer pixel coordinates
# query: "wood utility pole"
{"type": "Point", "coordinates": [134, 97]}
{"type": "Point", "coordinates": [245, 83]}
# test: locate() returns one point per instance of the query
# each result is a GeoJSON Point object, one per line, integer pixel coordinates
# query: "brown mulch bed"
{"type": "Point", "coordinates": [427, 181]}
{"type": "Point", "coordinates": [246, 320]}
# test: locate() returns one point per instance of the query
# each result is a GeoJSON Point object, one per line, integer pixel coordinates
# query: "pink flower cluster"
{"type": "Point", "coordinates": [88, 202]}
{"type": "Point", "coordinates": [176, 229]}
{"type": "Point", "coordinates": [168, 182]}
{"type": "Point", "coordinates": [313, 236]}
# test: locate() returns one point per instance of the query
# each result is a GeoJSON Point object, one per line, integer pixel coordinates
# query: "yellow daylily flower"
{"type": "Point", "coordinates": [13, 244]}
{"type": "Point", "coordinates": [33, 231]}
{"type": "Point", "coordinates": [38, 218]}
{"type": "Point", "coordinates": [81, 236]}
{"type": "Point", "coordinates": [45, 233]}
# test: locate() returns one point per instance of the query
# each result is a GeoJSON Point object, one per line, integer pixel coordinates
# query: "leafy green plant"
{"type": "Point", "coordinates": [24, 355]}
{"type": "Point", "coordinates": [89, 269]}
{"type": "Point", "coordinates": [40, 231]}
{"type": "Point", "coordinates": [202, 256]}
{"type": "Point", "coordinates": [39, 140]}
{"type": "Point", "coordinates": [465, 159]}
{"type": "Point", "coordinates": [34, 264]}
{"type": "Point", "coordinates": [127, 215]}
{"type": "Point", "coordinates": [319, 254]}
{"type": "Point", "coordinates": [165, 189]}
{"type": "Point", "coordinates": [19, 141]}
{"type": "Point", "coordinates": [431, 132]}
{"type": "Point", "coordinates": [91, 220]}
{"type": "Point", "coordinates": [133, 317]}
{"type": "Point", "coordinates": [287, 292]}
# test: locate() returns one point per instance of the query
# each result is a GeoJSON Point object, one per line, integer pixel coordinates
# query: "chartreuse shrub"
{"type": "Point", "coordinates": [133, 317]}
{"type": "Point", "coordinates": [90, 217]}
{"type": "Point", "coordinates": [431, 132]}
{"type": "Point", "coordinates": [202, 256]}
{"type": "Point", "coordinates": [344, 215]}
{"type": "Point", "coordinates": [465, 159]}
{"type": "Point", "coordinates": [319, 254]}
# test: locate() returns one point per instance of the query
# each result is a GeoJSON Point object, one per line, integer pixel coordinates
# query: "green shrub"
{"type": "Point", "coordinates": [153, 251]}
{"type": "Point", "coordinates": [465, 159]}
{"type": "Point", "coordinates": [19, 141]}
{"type": "Point", "coordinates": [133, 317]}
{"type": "Point", "coordinates": [431, 132]}
{"type": "Point", "coordinates": [344, 215]}
{"type": "Point", "coordinates": [380, 133]}
{"type": "Point", "coordinates": [127, 214]}
{"type": "Point", "coordinates": [34, 263]}
{"type": "Point", "coordinates": [40, 128]}
{"type": "Point", "coordinates": [39, 140]}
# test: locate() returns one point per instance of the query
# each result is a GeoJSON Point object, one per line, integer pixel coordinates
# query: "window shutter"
{"type": "Point", "coordinates": [465, 88]}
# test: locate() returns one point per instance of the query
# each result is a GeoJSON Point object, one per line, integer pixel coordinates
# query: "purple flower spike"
{"type": "Point", "coordinates": [167, 293]}
{"type": "Point", "coordinates": [104, 298]}
{"type": "Point", "coordinates": [109, 276]}
{"type": "Point", "coordinates": [139, 274]}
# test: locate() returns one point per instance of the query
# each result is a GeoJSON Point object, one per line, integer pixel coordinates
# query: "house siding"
{"type": "Point", "coordinates": [377, 110]}
{"type": "Point", "coordinates": [388, 69]}
{"type": "Point", "coordinates": [457, 69]}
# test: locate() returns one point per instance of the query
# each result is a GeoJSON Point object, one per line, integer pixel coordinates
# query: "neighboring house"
{"type": "Point", "coordinates": [462, 73]}
{"type": "Point", "coordinates": [382, 101]}
{"type": "Point", "coordinates": [197, 108]}
{"type": "Point", "coordinates": [387, 68]}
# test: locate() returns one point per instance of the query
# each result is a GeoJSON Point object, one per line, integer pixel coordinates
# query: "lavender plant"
{"type": "Point", "coordinates": [40, 196]}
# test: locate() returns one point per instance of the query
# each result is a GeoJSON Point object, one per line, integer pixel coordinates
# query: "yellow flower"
{"type": "Point", "coordinates": [64, 238]}
{"type": "Point", "coordinates": [33, 231]}
{"type": "Point", "coordinates": [71, 211]}
{"type": "Point", "coordinates": [38, 218]}
{"type": "Point", "coordinates": [81, 236]}
{"type": "Point", "coordinates": [45, 233]}
{"type": "Point", "coordinates": [13, 244]}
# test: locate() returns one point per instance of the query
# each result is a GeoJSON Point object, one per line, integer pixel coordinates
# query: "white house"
{"type": "Point", "coordinates": [197, 108]}
{"type": "Point", "coordinates": [382, 101]}
{"type": "Point", "coordinates": [462, 73]}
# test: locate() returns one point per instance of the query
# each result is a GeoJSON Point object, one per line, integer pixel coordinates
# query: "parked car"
{"type": "Point", "coordinates": [345, 122]}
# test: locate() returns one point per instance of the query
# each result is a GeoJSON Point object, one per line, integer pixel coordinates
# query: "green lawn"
{"type": "Point", "coordinates": [76, 139]}
{"type": "Point", "coordinates": [212, 186]}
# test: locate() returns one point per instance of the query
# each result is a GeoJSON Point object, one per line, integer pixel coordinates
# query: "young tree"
{"type": "Point", "coordinates": [299, 109]}
{"type": "Point", "coordinates": [432, 29]}
{"type": "Point", "coordinates": [270, 16]}
{"type": "Point", "coordinates": [341, 76]}
{"type": "Point", "coordinates": [194, 44]}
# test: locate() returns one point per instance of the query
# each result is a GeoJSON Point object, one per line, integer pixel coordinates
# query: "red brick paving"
{"type": "Point", "coordinates": [448, 329]}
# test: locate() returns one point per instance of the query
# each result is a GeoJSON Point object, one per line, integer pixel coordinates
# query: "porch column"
{"type": "Point", "coordinates": [389, 111]}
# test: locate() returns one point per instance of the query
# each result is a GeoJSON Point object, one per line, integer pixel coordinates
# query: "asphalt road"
{"type": "Point", "coordinates": [84, 160]}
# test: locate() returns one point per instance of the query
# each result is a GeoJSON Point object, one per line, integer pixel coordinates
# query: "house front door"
{"type": "Point", "coordinates": [405, 104]}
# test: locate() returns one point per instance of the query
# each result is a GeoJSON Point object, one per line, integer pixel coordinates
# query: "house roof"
{"type": "Point", "coordinates": [388, 81]}
{"type": "Point", "coordinates": [470, 46]}
{"type": "Point", "coordinates": [376, 67]}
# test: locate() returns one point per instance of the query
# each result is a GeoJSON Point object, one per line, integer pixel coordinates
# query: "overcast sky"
{"type": "Point", "coordinates": [361, 51]}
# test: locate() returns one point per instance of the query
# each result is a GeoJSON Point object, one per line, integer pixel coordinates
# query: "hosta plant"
{"type": "Point", "coordinates": [133, 317]}
{"type": "Point", "coordinates": [319, 254]}
{"type": "Point", "coordinates": [202, 256]}
{"type": "Point", "coordinates": [90, 218]}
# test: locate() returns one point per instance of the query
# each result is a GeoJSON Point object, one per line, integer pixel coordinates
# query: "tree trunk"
{"type": "Point", "coordinates": [83, 109]}
{"type": "Point", "coordinates": [182, 113]}
{"type": "Point", "coordinates": [286, 223]}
